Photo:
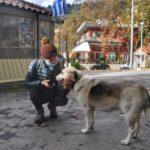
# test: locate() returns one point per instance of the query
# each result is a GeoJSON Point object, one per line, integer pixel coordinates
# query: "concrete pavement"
{"type": "Point", "coordinates": [18, 132]}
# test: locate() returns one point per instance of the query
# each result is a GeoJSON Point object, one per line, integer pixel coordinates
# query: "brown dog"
{"type": "Point", "coordinates": [93, 93]}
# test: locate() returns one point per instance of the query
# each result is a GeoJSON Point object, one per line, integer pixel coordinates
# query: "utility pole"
{"type": "Point", "coordinates": [59, 38]}
{"type": "Point", "coordinates": [66, 45]}
{"type": "Point", "coordinates": [66, 50]}
{"type": "Point", "coordinates": [132, 28]}
{"type": "Point", "coordinates": [141, 44]}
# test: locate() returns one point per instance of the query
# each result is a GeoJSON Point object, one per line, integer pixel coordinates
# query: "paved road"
{"type": "Point", "coordinates": [18, 132]}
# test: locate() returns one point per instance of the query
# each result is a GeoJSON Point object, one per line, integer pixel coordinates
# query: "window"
{"type": "Point", "coordinates": [8, 31]}
{"type": "Point", "coordinates": [26, 32]}
{"type": "Point", "coordinates": [43, 29]}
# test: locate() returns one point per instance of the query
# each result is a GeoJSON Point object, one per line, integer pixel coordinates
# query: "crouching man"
{"type": "Point", "coordinates": [42, 85]}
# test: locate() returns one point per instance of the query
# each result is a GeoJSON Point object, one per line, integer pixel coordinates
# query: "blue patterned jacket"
{"type": "Point", "coordinates": [40, 70]}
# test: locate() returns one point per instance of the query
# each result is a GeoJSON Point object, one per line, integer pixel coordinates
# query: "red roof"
{"type": "Point", "coordinates": [26, 5]}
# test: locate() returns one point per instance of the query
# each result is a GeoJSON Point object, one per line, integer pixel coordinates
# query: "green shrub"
{"type": "Point", "coordinates": [75, 64]}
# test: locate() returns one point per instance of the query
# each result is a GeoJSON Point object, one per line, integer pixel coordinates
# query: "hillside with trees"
{"type": "Point", "coordinates": [117, 12]}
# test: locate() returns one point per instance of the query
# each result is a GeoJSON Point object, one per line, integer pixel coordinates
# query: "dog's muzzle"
{"type": "Point", "coordinates": [67, 84]}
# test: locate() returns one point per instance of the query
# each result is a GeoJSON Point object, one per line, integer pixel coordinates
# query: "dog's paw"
{"type": "Point", "coordinates": [125, 142]}
{"type": "Point", "coordinates": [84, 131]}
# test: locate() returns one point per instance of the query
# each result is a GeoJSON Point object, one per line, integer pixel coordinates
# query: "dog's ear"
{"type": "Point", "coordinates": [77, 75]}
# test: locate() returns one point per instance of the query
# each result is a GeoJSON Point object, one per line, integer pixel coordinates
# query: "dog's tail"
{"type": "Point", "coordinates": [147, 108]}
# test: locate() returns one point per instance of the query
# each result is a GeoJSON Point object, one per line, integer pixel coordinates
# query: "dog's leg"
{"type": "Point", "coordinates": [92, 119]}
{"type": "Point", "coordinates": [131, 118]}
{"type": "Point", "coordinates": [88, 120]}
{"type": "Point", "coordinates": [137, 127]}
{"type": "Point", "coordinates": [126, 141]}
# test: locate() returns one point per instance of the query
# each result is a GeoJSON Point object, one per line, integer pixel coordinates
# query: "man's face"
{"type": "Point", "coordinates": [53, 59]}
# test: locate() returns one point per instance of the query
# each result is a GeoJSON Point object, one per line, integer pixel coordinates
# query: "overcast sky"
{"type": "Point", "coordinates": [46, 2]}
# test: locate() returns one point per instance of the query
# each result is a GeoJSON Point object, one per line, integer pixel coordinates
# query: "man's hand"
{"type": "Point", "coordinates": [45, 83]}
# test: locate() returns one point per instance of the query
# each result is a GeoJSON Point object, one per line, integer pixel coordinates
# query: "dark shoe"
{"type": "Point", "coordinates": [53, 112]}
{"type": "Point", "coordinates": [53, 115]}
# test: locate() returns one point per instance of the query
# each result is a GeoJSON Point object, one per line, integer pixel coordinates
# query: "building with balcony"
{"type": "Point", "coordinates": [101, 41]}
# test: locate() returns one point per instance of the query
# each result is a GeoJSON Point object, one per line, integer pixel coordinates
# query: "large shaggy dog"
{"type": "Point", "coordinates": [95, 93]}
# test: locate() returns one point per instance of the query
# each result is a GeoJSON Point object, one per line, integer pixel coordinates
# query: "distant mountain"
{"type": "Point", "coordinates": [73, 7]}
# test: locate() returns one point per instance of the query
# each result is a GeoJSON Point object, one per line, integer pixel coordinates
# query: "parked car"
{"type": "Point", "coordinates": [125, 66]}
{"type": "Point", "coordinates": [102, 66]}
